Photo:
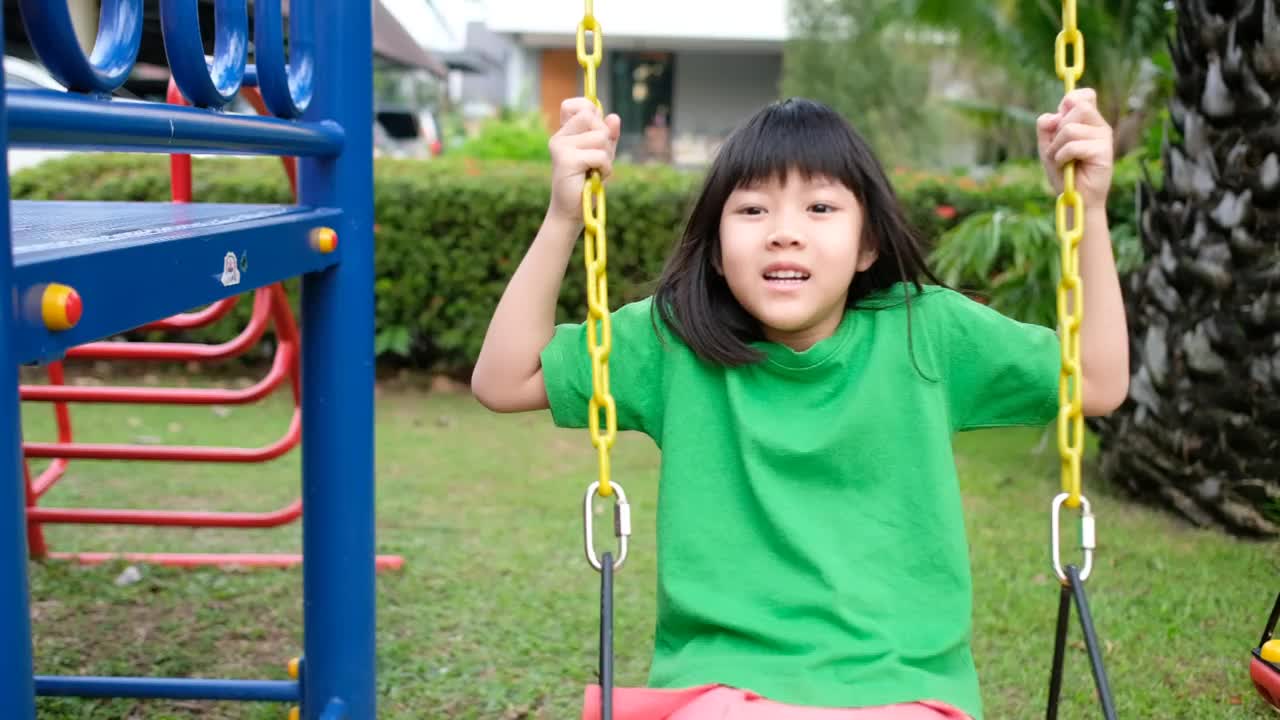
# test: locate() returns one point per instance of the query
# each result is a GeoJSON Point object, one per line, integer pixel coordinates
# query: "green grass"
{"type": "Point", "coordinates": [494, 614]}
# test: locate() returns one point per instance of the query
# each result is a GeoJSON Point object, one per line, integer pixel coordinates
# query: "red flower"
{"type": "Point", "coordinates": [946, 212]}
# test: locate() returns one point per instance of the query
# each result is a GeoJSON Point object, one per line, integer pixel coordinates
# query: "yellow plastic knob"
{"type": "Point", "coordinates": [324, 240]}
{"type": "Point", "coordinates": [1271, 651]}
{"type": "Point", "coordinates": [60, 307]}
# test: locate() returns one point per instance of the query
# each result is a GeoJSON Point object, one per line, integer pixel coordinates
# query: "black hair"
{"type": "Point", "coordinates": [799, 135]}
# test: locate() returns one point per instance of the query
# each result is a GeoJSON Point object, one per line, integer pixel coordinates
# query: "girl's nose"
{"type": "Point", "coordinates": [785, 239]}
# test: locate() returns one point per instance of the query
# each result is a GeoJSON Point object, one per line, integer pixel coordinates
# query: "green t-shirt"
{"type": "Point", "coordinates": [811, 543]}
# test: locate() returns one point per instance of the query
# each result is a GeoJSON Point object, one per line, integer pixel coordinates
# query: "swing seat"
{"type": "Point", "coordinates": [1264, 666]}
{"type": "Point", "coordinates": [717, 702]}
{"type": "Point", "coordinates": [1266, 675]}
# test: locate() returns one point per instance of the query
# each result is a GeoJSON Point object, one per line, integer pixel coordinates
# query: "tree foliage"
{"type": "Point", "coordinates": [855, 56]}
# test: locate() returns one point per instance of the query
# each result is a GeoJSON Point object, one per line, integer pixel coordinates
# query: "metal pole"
{"type": "Point", "coordinates": [337, 380]}
{"type": "Point", "coordinates": [17, 679]}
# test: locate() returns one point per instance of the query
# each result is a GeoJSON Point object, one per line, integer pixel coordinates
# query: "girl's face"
{"type": "Point", "coordinates": [789, 251]}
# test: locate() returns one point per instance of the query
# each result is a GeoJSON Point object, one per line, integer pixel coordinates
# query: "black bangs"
{"type": "Point", "coordinates": [795, 135]}
{"type": "Point", "coordinates": [792, 135]}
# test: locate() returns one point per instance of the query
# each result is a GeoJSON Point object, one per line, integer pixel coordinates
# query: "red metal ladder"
{"type": "Point", "coordinates": [270, 306]}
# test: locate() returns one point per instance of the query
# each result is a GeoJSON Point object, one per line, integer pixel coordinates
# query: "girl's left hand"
{"type": "Point", "coordinates": [1078, 132]}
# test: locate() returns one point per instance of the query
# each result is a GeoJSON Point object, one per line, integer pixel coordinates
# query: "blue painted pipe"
{"type": "Point", "coordinates": [17, 694]}
{"type": "Point", "coordinates": [338, 541]}
{"type": "Point", "coordinates": [53, 37]}
{"type": "Point", "coordinates": [46, 118]}
{"type": "Point", "coordinates": [206, 84]}
{"type": "Point", "coordinates": [168, 688]}
{"type": "Point", "coordinates": [286, 87]}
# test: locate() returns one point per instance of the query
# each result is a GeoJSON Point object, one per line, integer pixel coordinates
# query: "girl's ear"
{"type": "Point", "coordinates": [868, 255]}
{"type": "Point", "coordinates": [716, 263]}
{"type": "Point", "coordinates": [867, 258]}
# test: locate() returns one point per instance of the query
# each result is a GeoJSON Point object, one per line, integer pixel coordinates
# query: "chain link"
{"type": "Point", "coordinates": [1069, 214]}
{"type": "Point", "coordinates": [599, 334]}
{"type": "Point", "coordinates": [1069, 222]}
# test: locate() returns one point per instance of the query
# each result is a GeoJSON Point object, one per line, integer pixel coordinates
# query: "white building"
{"type": "Point", "coordinates": [680, 74]}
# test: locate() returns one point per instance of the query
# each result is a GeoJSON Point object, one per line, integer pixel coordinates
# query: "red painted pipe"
{"type": "Point", "coordinates": [35, 534]}
{"type": "Point", "coordinates": [247, 338]}
{"type": "Point", "coordinates": [169, 518]}
{"type": "Point", "coordinates": [273, 560]}
{"type": "Point", "coordinates": [58, 467]}
{"type": "Point", "coordinates": [170, 453]}
{"type": "Point", "coordinates": [200, 318]}
{"type": "Point", "coordinates": [49, 477]}
{"type": "Point", "coordinates": [280, 368]}
{"type": "Point", "coordinates": [179, 165]}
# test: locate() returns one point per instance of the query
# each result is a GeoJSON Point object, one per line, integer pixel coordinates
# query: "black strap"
{"type": "Point", "coordinates": [606, 637]}
{"type": "Point", "coordinates": [1059, 648]}
{"type": "Point", "coordinates": [1074, 590]}
{"type": "Point", "coordinates": [1271, 623]}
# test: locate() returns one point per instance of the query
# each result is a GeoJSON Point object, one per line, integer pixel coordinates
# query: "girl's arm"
{"type": "Point", "coordinates": [1104, 335]}
{"type": "Point", "coordinates": [508, 373]}
{"type": "Point", "coordinates": [1079, 132]}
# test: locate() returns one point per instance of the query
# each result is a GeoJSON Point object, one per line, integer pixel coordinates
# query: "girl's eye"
{"type": "Point", "coordinates": [752, 210]}
{"type": "Point", "coordinates": [821, 208]}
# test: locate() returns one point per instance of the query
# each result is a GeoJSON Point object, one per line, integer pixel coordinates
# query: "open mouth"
{"type": "Point", "coordinates": [786, 277]}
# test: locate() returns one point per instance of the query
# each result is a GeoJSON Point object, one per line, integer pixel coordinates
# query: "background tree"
{"type": "Point", "coordinates": [1013, 40]}
{"type": "Point", "coordinates": [856, 56]}
{"type": "Point", "coordinates": [1200, 432]}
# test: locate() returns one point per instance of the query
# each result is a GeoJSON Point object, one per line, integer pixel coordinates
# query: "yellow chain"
{"type": "Point", "coordinates": [599, 342]}
{"type": "Point", "coordinates": [1070, 290]}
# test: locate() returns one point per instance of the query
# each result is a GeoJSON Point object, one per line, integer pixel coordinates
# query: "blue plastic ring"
{"type": "Point", "coordinates": [53, 37]}
{"type": "Point", "coordinates": [206, 84]}
{"type": "Point", "coordinates": [286, 88]}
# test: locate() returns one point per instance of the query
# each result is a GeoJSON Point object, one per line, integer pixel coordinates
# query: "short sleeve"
{"type": "Point", "coordinates": [635, 371]}
{"type": "Point", "coordinates": [999, 371]}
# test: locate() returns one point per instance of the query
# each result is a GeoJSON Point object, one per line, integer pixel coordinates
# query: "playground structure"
{"type": "Point", "coordinates": [74, 263]}
{"type": "Point", "coordinates": [270, 306]}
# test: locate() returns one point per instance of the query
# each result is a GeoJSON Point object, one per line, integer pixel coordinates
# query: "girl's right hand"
{"type": "Point", "coordinates": [584, 142]}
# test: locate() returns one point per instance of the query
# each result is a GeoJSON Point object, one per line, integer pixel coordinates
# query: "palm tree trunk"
{"type": "Point", "coordinates": [1200, 432]}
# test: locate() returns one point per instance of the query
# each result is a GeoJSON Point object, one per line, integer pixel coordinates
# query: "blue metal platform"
{"type": "Point", "coordinates": [132, 262]}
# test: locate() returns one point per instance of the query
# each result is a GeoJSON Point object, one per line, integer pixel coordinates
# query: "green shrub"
{"type": "Point", "coordinates": [450, 232]}
{"type": "Point", "coordinates": [509, 136]}
{"type": "Point", "coordinates": [1005, 244]}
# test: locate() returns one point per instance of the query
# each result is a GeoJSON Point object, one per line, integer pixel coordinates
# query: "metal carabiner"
{"type": "Point", "coordinates": [621, 524]}
{"type": "Point", "coordinates": [1088, 537]}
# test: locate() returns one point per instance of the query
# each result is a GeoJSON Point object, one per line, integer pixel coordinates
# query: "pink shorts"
{"type": "Point", "coordinates": [717, 702]}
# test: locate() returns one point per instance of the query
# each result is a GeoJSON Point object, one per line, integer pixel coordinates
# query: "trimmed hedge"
{"type": "Point", "coordinates": [449, 233]}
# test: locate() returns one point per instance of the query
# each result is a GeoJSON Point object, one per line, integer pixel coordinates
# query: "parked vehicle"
{"type": "Point", "coordinates": [406, 133]}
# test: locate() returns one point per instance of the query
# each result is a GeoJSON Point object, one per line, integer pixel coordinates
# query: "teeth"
{"type": "Point", "coordinates": [787, 275]}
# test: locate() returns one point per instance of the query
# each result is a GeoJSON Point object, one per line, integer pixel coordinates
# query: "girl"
{"type": "Point", "coordinates": [803, 384]}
